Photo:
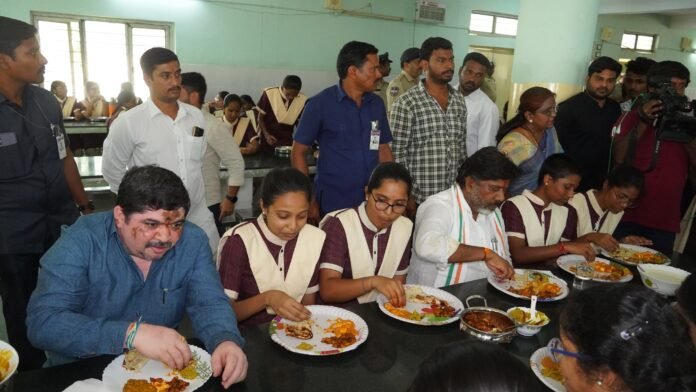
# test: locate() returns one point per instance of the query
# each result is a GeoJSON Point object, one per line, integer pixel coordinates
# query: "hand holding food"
{"type": "Point", "coordinates": [500, 267]}
{"type": "Point", "coordinates": [164, 344]}
{"type": "Point", "coordinates": [285, 306]}
{"type": "Point", "coordinates": [606, 241]}
{"type": "Point", "coordinates": [391, 288]}
{"type": "Point", "coordinates": [230, 362]}
{"type": "Point", "coordinates": [581, 248]}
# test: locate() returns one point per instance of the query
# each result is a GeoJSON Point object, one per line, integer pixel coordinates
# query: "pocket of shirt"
{"type": "Point", "coordinates": [14, 161]}
{"type": "Point", "coordinates": [196, 147]}
{"type": "Point", "coordinates": [173, 303]}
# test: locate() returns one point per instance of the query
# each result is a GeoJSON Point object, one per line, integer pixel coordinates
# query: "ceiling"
{"type": "Point", "coordinates": [682, 13]}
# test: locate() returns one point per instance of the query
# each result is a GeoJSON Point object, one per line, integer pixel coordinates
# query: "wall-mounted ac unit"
{"type": "Point", "coordinates": [430, 12]}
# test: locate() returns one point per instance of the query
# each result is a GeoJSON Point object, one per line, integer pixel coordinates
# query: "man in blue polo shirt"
{"type": "Point", "coordinates": [350, 124]}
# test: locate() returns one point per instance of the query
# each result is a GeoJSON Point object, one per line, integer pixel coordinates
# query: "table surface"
{"type": "Point", "coordinates": [257, 165]}
{"type": "Point", "coordinates": [387, 361]}
{"type": "Point", "coordinates": [81, 127]}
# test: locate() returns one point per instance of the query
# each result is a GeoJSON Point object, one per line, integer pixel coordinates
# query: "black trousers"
{"type": "Point", "coordinates": [18, 275]}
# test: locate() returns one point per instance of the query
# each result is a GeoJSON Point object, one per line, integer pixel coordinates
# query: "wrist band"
{"type": "Point", "coordinates": [486, 252]}
{"type": "Point", "coordinates": [132, 330]}
{"type": "Point", "coordinates": [562, 249]}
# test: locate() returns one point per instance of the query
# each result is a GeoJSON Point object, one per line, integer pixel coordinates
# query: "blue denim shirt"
{"type": "Point", "coordinates": [90, 290]}
{"type": "Point", "coordinates": [343, 130]}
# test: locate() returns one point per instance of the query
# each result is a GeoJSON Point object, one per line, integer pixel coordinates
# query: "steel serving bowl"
{"type": "Point", "coordinates": [504, 336]}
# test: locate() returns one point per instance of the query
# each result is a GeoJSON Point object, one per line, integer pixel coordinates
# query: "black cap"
{"type": "Point", "coordinates": [384, 58]}
{"type": "Point", "coordinates": [410, 54]}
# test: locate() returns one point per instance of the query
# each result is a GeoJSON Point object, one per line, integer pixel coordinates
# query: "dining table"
{"type": "Point", "coordinates": [388, 360]}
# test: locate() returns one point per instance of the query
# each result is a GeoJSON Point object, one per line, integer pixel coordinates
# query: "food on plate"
{"type": "Point", "coordinates": [487, 321]}
{"type": "Point", "coordinates": [403, 312]}
{"type": "Point", "coordinates": [345, 333]}
{"type": "Point", "coordinates": [550, 369]}
{"type": "Point", "coordinates": [522, 316]}
{"type": "Point", "coordinates": [304, 346]}
{"type": "Point", "coordinates": [438, 306]}
{"type": "Point", "coordinates": [190, 371]}
{"type": "Point", "coordinates": [134, 360]}
{"type": "Point", "coordinates": [138, 386]}
{"type": "Point", "coordinates": [639, 257]}
{"type": "Point", "coordinates": [534, 283]}
{"type": "Point", "coordinates": [302, 330]}
{"type": "Point", "coordinates": [608, 271]}
{"type": "Point", "coordinates": [174, 385]}
{"type": "Point", "coordinates": [5, 357]}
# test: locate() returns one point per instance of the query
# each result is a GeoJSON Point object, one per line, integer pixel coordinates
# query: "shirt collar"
{"type": "Point", "coordinates": [341, 94]}
{"type": "Point", "coordinates": [535, 199]}
{"type": "Point", "coordinates": [153, 110]}
{"type": "Point", "coordinates": [408, 77]}
{"type": "Point", "coordinates": [362, 213]}
{"type": "Point", "coordinates": [274, 239]}
{"type": "Point", "coordinates": [592, 197]}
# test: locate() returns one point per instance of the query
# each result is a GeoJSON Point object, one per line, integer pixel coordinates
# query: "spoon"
{"type": "Point", "coordinates": [532, 307]}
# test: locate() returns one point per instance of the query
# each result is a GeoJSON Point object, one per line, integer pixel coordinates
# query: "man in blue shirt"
{"type": "Point", "coordinates": [350, 124]}
{"type": "Point", "coordinates": [124, 279]}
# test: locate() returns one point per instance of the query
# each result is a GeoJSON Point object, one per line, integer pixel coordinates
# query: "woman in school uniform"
{"type": "Point", "coordinates": [368, 248]}
{"type": "Point", "coordinates": [600, 210]}
{"type": "Point", "coordinates": [268, 266]}
{"type": "Point", "coordinates": [540, 225]}
{"type": "Point", "coordinates": [241, 128]}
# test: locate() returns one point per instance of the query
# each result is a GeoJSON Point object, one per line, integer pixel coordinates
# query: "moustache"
{"type": "Point", "coordinates": [42, 70]}
{"type": "Point", "coordinates": [158, 244]}
{"type": "Point", "coordinates": [175, 89]}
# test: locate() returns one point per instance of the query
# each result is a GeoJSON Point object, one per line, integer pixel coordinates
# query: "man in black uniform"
{"type": "Point", "coordinates": [584, 122]}
{"type": "Point", "coordinates": [39, 182]}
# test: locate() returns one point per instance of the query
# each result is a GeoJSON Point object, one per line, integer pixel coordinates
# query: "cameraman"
{"type": "Point", "coordinates": [656, 214]}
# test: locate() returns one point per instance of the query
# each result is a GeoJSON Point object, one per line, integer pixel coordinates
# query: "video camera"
{"type": "Point", "coordinates": [676, 121]}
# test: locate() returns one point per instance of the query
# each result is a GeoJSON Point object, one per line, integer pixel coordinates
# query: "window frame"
{"type": "Point", "coordinates": [495, 16]}
{"type": "Point", "coordinates": [130, 24]}
{"type": "Point", "coordinates": [635, 45]}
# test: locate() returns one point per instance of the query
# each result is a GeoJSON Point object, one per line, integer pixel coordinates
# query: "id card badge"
{"type": "Point", "coordinates": [374, 136]}
{"type": "Point", "coordinates": [60, 141]}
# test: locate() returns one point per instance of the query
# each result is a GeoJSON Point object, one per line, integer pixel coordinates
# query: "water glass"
{"type": "Point", "coordinates": [583, 275]}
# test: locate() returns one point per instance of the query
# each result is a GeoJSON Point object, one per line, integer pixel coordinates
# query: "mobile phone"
{"type": "Point", "coordinates": [197, 131]}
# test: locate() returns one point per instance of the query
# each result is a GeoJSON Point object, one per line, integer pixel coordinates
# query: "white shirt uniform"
{"type": "Point", "coordinates": [482, 121]}
{"type": "Point", "coordinates": [443, 222]}
{"type": "Point", "coordinates": [221, 148]}
{"type": "Point", "coordinates": [145, 136]}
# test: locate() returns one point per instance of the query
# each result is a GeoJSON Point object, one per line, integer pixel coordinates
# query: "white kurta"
{"type": "Point", "coordinates": [482, 121]}
{"type": "Point", "coordinates": [443, 222]}
{"type": "Point", "coordinates": [146, 136]}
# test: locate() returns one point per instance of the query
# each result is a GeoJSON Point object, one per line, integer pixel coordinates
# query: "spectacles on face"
{"type": "Point", "coordinates": [382, 205]}
{"type": "Point", "coordinates": [552, 111]}
{"type": "Point", "coordinates": [151, 226]}
{"type": "Point", "coordinates": [556, 348]}
{"type": "Point", "coordinates": [622, 198]}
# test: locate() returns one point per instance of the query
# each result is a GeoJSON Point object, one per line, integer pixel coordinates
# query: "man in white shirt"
{"type": "Point", "coordinates": [164, 132]}
{"type": "Point", "coordinates": [482, 115]}
{"type": "Point", "coordinates": [460, 234]}
{"type": "Point", "coordinates": [221, 148]}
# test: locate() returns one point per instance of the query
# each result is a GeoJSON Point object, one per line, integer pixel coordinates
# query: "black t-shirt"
{"type": "Point", "coordinates": [584, 130]}
{"type": "Point", "coordinates": [34, 197]}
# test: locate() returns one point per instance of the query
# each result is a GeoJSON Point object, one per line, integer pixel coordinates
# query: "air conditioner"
{"type": "Point", "coordinates": [430, 12]}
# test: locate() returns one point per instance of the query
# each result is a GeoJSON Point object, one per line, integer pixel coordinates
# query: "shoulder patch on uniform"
{"type": "Point", "coordinates": [394, 91]}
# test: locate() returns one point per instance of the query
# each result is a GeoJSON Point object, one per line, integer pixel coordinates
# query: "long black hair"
{"type": "Point", "coordinates": [473, 366]}
{"type": "Point", "coordinates": [633, 332]}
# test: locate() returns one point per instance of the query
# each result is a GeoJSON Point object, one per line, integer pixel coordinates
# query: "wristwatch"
{"type": "Point", "coordinates": [85, 207]}
{"type": "Point", "coordinates": [233, 199]}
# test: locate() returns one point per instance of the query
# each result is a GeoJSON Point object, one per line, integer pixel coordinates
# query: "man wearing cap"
{"type": "Point", "coordinates": [410, 71]}
{"type": "Point", "coordinates": [385, 69]}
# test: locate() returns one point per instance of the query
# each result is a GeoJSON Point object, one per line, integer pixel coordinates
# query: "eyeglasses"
{"type": "Point", "coordinates": [556, 348]}
{"type": "Point", "coordinates": [151, 226]}
{"type": "Point", "coordinates": [622, 198]}
{"type": "Point", "coordinates": [382, 205]}
{"type": "Point", "coordinates": [552, 111]}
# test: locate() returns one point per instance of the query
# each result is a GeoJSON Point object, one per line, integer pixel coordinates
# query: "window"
{"type": "Point", "coordinates": [640, 42]}
{"type": "Point", "coordinates": [107, 51]}
{"type": "Point", "coordinates": [490, 23]}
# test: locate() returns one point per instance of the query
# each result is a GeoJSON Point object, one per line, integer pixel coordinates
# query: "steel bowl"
{"type": "Point", "coordinates": [504, 336]}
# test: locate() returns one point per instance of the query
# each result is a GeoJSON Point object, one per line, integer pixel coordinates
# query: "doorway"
{"type": "Point", "coordinates": [502, 58]}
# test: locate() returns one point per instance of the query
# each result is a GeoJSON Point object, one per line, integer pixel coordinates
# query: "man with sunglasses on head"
{"type": "Point", "coordinates": [584, 121]}
{"type": "Point", "coordinates": [460, 233]}
{"type": "Point", "coordinates": [123, 279]}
